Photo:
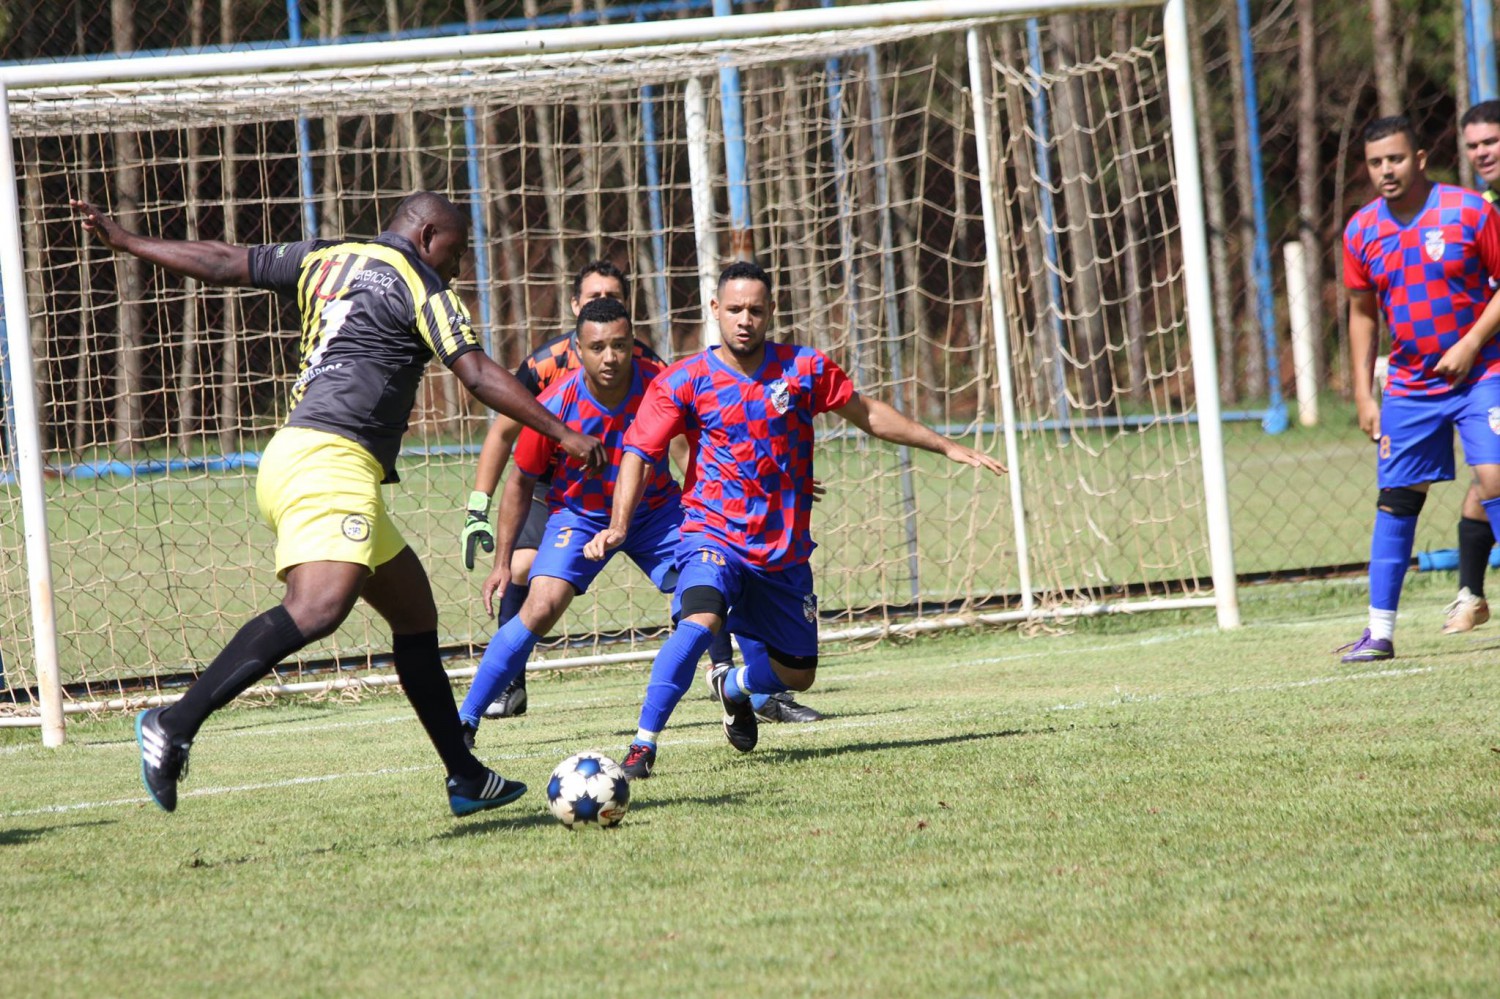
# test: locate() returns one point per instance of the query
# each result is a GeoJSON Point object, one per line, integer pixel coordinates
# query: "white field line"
{"type": "Point", "coordinates": [793, 731]}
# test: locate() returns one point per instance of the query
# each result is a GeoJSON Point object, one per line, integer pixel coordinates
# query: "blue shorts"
{"type": "Point", "coordinates": [1416, 443]}
{"type": "Point", "coordinates": [651, 543]}
{"type": "Point", "coordinates": [777, 608]}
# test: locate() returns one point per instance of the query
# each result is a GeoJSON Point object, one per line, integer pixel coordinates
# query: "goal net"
{"type": "Point", "coordinates": [862, 195]}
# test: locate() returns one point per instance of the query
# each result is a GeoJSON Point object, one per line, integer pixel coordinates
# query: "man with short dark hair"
{"type": "Point", "coordinates": [600, 398]}
{"type": "Point", "coordinates": [1424, 255]}
{"type": "Point", "coordinates": [1480, 126]}
{"type": "Point", "coordinates": [374, 312]}
{"type": "Point", "coordinates": [747, 408]}
{"type": "Point", "coordinates": [548, 364]}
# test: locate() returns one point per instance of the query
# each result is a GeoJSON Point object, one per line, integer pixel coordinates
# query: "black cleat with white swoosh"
{"type": "Point", "coordinates": [739, 718]}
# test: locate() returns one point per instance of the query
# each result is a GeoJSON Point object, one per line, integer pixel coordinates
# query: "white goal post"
{"type": "Point", "coordinates": [987, 211]}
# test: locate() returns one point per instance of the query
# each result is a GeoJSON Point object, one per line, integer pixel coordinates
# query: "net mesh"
{"type": "Point", "coordinates": [156, 393]}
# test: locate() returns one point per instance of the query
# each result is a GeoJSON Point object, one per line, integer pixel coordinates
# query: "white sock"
{"type": "Point", "coordinates": [1382, 624]}
{"type": "Point", "coordinates": [646, 738]}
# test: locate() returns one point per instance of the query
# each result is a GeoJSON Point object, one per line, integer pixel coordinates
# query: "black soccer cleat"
{"type": "Point", "coordinates": [510, 703]}
{"type": "Point", "coordinates": [467, 795]}
{"type": "Point", "coordinates": [639, 761]}
{"type": "Point", "coordinates": [740, 727]}
{"type": "Point", "coordinates": [783, 708]}
{"type": "Point", "coordinates": [164, 760]}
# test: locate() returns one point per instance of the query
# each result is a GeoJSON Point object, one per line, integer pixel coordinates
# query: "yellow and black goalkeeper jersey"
{"type": "Point", "coordinates": [373, 315]}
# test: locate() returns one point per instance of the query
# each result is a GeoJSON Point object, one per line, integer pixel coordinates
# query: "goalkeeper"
{"type": "Point", "coordinates": [549, 364]}
{"type": "Point", "coordinates": [374, 312]}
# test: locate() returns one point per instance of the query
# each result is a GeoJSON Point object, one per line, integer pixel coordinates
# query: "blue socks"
{"type": "Point", "coordinates": [511, 601]}
{"type": "Point", "coordinates": [672, 673]}
{"type": "Point", "coordinates": [756, 678]}
{"type": "Point", "coordinates": [1390, 553]}
{"type": "Point", "coordinates": [1492, 511]}
{"type": "Point", "coordinates": [721, 650]}
{"type": "Point", "coordinates": [503, 661]}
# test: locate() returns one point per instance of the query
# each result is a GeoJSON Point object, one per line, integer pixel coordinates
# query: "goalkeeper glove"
{"type": "Point", "coordinates": [477, 527]}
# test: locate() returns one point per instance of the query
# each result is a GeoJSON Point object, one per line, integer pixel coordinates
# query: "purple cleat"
{"type": "Point", "coordinates": [1367, 650]}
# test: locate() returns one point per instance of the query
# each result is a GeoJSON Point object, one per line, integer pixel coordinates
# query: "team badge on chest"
{"type": "Point", "coordinates": [779, 395]}
{"type": "Point", "coordinates": [1432, 243]}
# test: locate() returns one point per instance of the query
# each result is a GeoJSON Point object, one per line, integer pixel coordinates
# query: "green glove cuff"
{"type": "Point", "coordinates": [479, 503]}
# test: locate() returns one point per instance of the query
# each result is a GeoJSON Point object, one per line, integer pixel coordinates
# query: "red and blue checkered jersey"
{"type": "Point", "coordinates": [573, 488]}
{"type": "Point", "coordinates": [1432, 277]}
{"type": "Point", "coordinates": [749, 481]}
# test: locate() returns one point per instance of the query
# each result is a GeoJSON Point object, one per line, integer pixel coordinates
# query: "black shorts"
{"type": "Point", "coordinates": [536, 519]}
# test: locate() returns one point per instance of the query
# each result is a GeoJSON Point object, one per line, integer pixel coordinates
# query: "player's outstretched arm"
{"type": "Point", "coordinates": [881, 420]}
{"type": "Point", "coordinates": [209, 261]}
{"type": "Point", "coordinates": [515, 504]}
{"type": "Point", "coordinates": [493, 457]}
{"type": "Point", "coordinates": [503, 392]}
{"type": "Point", "coordinates": [630, 484]}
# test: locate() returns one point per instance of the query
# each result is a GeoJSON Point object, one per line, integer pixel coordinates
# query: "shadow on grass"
{"type": "Point", "coordinates": [15, 837]}
{"type": "Point", "coordinates": [527, 820]}
{"type": "Point", "coordinates": [790, 755]}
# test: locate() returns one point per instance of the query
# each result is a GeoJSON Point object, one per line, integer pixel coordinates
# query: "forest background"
{"type": "Point", "coordinates": [1322, 71]}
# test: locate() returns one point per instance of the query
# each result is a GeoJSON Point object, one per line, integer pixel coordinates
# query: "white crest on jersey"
{"type": "Point", "coordinates": [779, 393]}
{"type": "Point", "coordinates": [1432, 242]}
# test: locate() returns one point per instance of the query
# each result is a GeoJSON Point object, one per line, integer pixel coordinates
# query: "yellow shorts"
{"type": "Point", "coordinates": [321, 495]}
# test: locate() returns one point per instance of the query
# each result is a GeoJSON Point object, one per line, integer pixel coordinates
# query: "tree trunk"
{"type": "Point", "coordinates": [552, 194]}
{"type": "Point", "coordinates": [331, 24]}
{"type": "Point", "coordinates": [1131, 187]}
{"type": "Point", "coordinates": [129, 423]}
{"type": "Point", "coordinates": [187, 368]}
{"type": "Point", "coordinates": [1341, 294]}
{"type": "Point", "coordinates": [42, 359]}
{"type": "Point", "coordinates": [230, 431]}
{"type": "Point", "coordinates": [1387, 77]}
{"type": "Point", "coordinates": [1310, 169]}
{"type": "Point", "coordinates": [1091, 339]}
{"type": "Point", "coordinates": [411, 156]}
{"type": "Point", "coordinates": [1215, 216]}
{"type": "Point", "coordinates": [1033, 348]}
{"type": "Point", "coordinates": [1254, 348]}
{"type": "Point", "coordinates": [1462, 99]}
{"type": "Point", "coordinates": [512, 273]}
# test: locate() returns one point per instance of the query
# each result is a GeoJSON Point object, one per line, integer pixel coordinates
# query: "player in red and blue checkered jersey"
{"type": "Point", "coordinates": [1480, 128]}
{"type": "Point", "coordinates": [747, 408]}
{"type": "Point", "coordinates": [603, 393]}
{"type": "Point", "coordinates": [572, 489]}
{"type": "Point", "coordinates": [1424, 254]}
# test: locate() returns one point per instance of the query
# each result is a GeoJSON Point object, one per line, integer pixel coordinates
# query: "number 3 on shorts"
{"type": "Point", "coordinates": [564, 538]}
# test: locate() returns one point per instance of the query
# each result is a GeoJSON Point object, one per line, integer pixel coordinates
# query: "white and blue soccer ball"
{"type": "Point", "coordinates": [588, 789]}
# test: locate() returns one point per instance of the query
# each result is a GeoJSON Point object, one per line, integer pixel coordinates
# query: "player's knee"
{"type": "Point", "coordinates": [797, 672]}
{"type": "Point", "coordinates": [318, 614]}
{"type": "Point", "coordinates": [698, 600]}
{"type": "Point", "coordinates": [1486, 486]}
{"type": "Point", "coordinates": [1401, 501]}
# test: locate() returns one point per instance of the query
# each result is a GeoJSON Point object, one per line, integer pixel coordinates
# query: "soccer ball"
{"type": "Point", "coordinates": [588, 789]}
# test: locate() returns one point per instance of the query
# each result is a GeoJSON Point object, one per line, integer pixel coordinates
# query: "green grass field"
{"type": "Point", "coordinates": [1137, 807]}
